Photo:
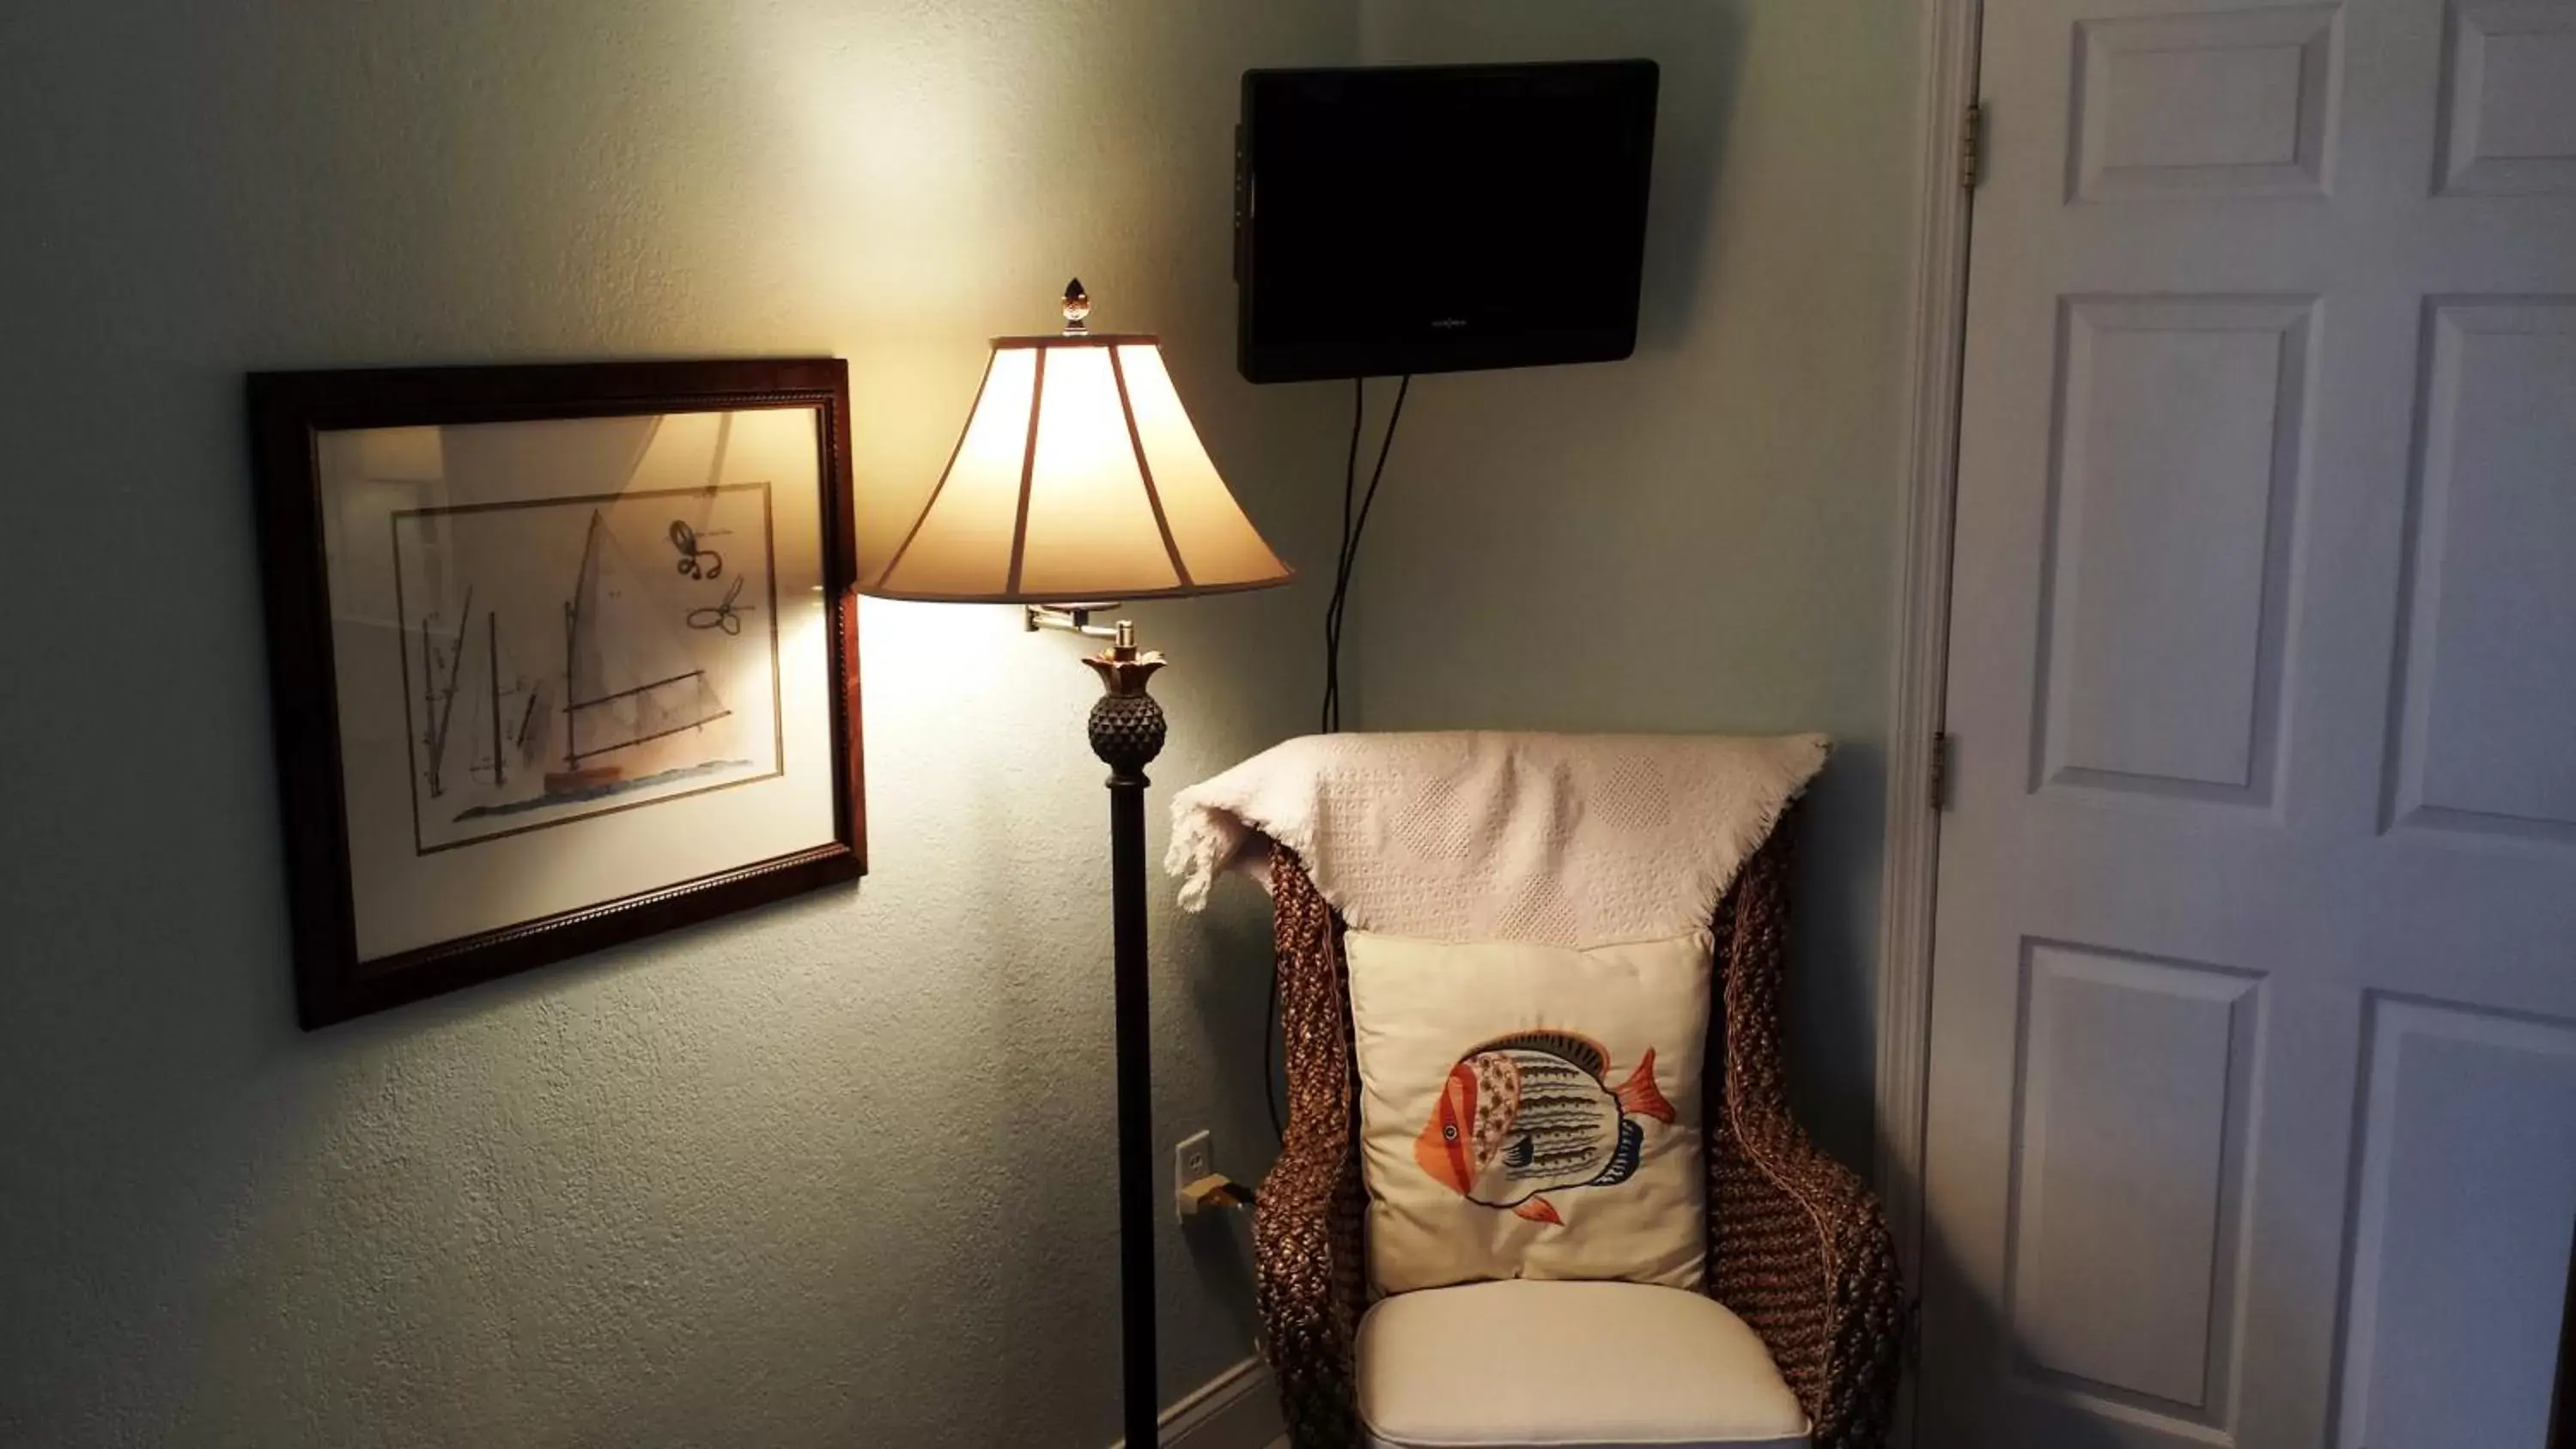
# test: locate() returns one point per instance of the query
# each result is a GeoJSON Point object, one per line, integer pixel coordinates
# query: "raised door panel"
{"type": "Point", "coordinates": [2226, 104]}
{"type": "Point", "coordinates": [2466, 1194]}
{"type": "Point", "coordinates": [2173, 497]}
{"type": "Point", "coordinates": [2509, 97]}
{"type": "Point", "coordinates": [2486, 742]}
{"type": "Point", "coordinates": [2131, 1149]}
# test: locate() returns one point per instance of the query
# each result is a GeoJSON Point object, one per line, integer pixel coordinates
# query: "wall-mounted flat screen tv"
{"type": "Point", "coordinates": [1440, 218]}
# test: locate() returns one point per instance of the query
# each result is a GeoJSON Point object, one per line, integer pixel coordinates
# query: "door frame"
{"type": "Point", "coordinates": [1935, 355]}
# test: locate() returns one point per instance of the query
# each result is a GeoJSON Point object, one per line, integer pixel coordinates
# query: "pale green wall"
{"type": "Point", "coordinates": [1700, 538]}
{"type": "Point", "coordinates": [838, 1173]}
{"type": "Point", "coordinates": [835, 1174]}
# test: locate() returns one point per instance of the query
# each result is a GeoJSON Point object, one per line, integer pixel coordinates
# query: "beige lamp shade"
{"type": "Point", "coordinates": [1078, 478]}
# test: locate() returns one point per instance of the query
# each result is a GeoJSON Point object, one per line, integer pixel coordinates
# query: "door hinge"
{"type": "Point", "coordinates": [1972, 146]}
{"type": "Point", "coordinates": [1937, 782]}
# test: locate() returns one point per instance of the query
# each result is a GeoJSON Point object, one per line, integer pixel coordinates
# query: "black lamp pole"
{"type": "Point", "coordinates": [1127, 733]}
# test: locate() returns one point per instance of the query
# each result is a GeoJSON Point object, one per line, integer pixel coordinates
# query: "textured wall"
{"type": "Point", "coordinates": [835, 1174]}
{"type": "Point", "coordinates": [1700, 538]}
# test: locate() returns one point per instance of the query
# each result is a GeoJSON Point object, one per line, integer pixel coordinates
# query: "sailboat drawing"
{"type": "Point", "coordinates": [634, 706]}
{"type": "Point", "coordinates": [626, 675]}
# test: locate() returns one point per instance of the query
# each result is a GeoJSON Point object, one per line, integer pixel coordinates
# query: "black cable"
{"type": "Point", "coordinates": [1377, 475]}
{"type": "Point", "coordinates": [1331, 718]}
{"type": "Point", "coordinates": [1353, 529]}
{"type": "Point", "coordinates": [1348, 564]}
{"type": "Point", "coordinates": [1332, 709]}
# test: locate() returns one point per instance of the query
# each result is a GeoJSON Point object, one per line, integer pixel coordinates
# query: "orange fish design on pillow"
{"type": "Point", "coordinates": [1535, 1113]}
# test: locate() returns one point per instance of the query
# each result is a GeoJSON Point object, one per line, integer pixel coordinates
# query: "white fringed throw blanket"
{"type": "Point", "coordinates": [1572, 840]}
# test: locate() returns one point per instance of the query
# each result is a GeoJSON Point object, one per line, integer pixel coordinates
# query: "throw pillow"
{"type": "Point", "coordinates": [1531, 1111]}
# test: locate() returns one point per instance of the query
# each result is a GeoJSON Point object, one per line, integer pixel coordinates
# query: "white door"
{"type": "Point", "coordinates": [2253, 1076]}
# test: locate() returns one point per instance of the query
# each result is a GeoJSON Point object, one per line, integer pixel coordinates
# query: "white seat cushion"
{"type": "Point", "coordinates": [1531, 1364]}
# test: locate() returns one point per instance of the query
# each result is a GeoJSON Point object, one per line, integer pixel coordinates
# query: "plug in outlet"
{"type": "Point", "coordinates": [1193, 1159]}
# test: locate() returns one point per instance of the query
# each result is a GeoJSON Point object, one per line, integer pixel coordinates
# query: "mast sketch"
{"type": "Point", "coordinates": [439, 700]}
{"type": "Point", "coordinates": [492, 657]}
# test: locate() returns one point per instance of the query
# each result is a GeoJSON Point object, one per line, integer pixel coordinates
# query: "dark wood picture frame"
{"type": "Point", "coordinates": [287, 411]}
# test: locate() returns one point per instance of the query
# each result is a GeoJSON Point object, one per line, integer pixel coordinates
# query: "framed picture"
{"type": "Point", "coordinates": [559, 656]}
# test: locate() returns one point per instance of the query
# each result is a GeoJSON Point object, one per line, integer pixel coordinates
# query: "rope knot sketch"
{"type": "Point", "coordinates": [726, 615]}
{"type": "Point", "coordinates": [704, 564]}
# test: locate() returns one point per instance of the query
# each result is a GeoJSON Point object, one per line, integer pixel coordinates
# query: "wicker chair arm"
{"type": "Point", "coordinates": [1803, 1254]}
{"type": "Point", "coordinates": [1798, 1247]}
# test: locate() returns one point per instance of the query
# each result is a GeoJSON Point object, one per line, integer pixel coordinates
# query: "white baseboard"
{"type": "Point", "coordinates": [1238, 1409]}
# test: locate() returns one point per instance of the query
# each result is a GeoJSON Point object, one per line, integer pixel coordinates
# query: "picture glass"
{"type": "Point", "coordinates": [577, 659]}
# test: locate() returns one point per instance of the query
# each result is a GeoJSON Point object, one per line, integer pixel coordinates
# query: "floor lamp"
{"type": "Point", "coordinates": [1079, 479]}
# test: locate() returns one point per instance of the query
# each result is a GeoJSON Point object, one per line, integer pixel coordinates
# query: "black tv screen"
{"type": "Point", "coordinates": [1440, 218]}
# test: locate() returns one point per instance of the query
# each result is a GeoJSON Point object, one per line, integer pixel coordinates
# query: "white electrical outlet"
{"type": "Point", "coordinates": [1192, 1159]}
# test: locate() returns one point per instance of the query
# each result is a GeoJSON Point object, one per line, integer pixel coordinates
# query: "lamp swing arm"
{"type": "Point", "coordinates": [1070, 618]}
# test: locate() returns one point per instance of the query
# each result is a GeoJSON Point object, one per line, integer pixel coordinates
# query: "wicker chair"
{"type": "Point", "coordinates": [1797, 1246]}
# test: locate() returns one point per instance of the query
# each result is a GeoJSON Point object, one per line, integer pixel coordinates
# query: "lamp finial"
{"type": "Point", "coordinates": [1077, 306]}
